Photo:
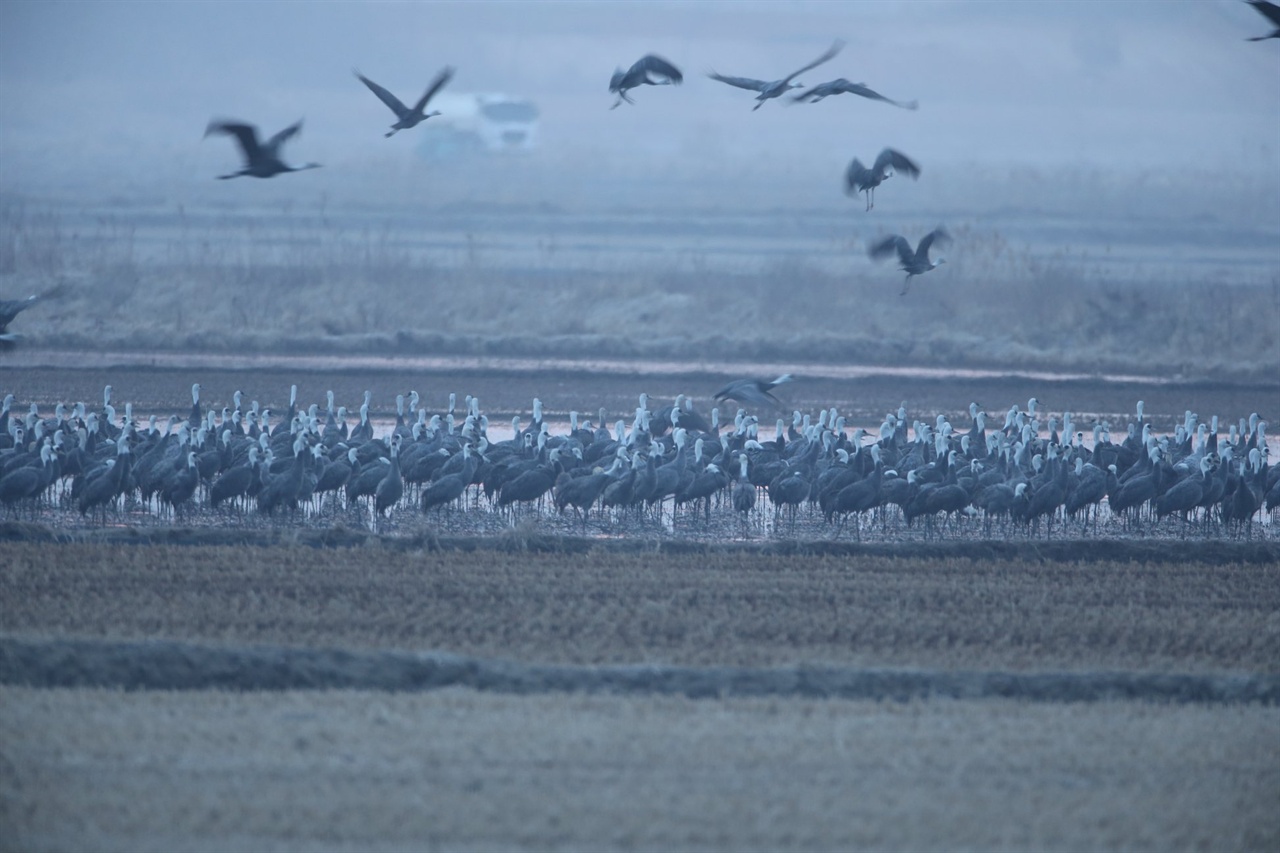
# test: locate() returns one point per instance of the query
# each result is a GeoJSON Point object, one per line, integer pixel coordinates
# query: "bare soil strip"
{"type": "Point", "coordinates": [187, 666]}
{"type": "Point", "coordinates": [526, 540]}
{"type": "Point", "coordinates": [458, 769]}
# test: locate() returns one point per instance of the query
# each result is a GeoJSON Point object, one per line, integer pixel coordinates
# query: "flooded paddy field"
{"type": "Point", "coordinates": [160, 384]}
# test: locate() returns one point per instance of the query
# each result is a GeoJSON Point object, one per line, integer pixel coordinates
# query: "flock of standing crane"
{"type": "Point", "coordinates": [670, 466]}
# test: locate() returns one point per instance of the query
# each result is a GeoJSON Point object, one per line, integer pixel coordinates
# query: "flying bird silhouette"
{"type": "Point", "coordinates": [649, 70]}
{"type": "Point", "coordinates": [753, 391]}
{"type": "Point", "coordinates": [405, 116]}
{"type": "Point", "coordinates": [913, 262]}
{"type": "Point", "coordinates": [261, 160]}
{"type": "Point", "coordinates": [858, 178]}
{"type": "Point", "coordinates": [775, 88]}
{"type": "Point", "coordinates": [1272, 13]}
{"type": "Point", "coordinates": [11, 308]}
{"type": "Point", "coordinates": [841, 86]}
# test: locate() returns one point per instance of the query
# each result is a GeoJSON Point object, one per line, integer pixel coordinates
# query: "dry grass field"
{"type": "Point", "coordinates": [472, 769]}
{"type": "Point", "coordinates": [721, 283]}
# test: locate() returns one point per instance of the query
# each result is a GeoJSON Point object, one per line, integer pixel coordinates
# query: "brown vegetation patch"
{"type": "Point", "coordinates": [224, 288]}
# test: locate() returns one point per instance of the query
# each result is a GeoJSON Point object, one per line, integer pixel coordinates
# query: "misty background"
{"type": "Point", "coordinates": [1067, 146]}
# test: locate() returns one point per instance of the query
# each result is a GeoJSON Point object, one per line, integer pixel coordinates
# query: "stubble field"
{"type": "Point", "coordinates": [564, 765]}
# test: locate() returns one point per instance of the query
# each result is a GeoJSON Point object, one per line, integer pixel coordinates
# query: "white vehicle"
{"type": "Point", "coordinates": [469, 123]}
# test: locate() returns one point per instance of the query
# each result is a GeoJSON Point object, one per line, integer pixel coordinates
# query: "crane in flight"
{"type": "Point", "coordinates": [648, 70]}
{"type": "Point", "coordinates": [914, 262]}
{"type": "Point", "coordinates": [859, 179]}
{"type": "Point", "coordinates": [407, 117]}
{"type": "Point", "coordinates": [261, 159]}
{"type": "Point", "coordinates": [842, 86]}
{"type": "Point", "coordinates": [775, 88]}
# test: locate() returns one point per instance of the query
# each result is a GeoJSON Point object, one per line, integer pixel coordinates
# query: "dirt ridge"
{"type": "Point", "coordinates": [521, 540]}
{"type": "Point", "coordinates": [169, 665]}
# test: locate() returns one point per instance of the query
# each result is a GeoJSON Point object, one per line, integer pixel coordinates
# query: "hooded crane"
{"type": "Point", "coordinates": [753, 391]}
{"type": "Point", "coordinates": [26, 482]}
{"type": "Point", "coordinates": [841, 86]}
{"type": "Point", "coordinates": [859, 179]}
{"type": "Point", "coordinates": [107, 486]}
{"type": "Point", "coordinates": [775, 88]}
{"type": "Point", "coordinates": [406, 117]}
{"type": "Point", "coordinates": [913, 263]}
{"type": "Point", "coordinates": [450, 487]}
{"type": "Point", "coordinates": [663, 74]}
{"type": "Point", "coordinates": [391, 487]}
{"type": "Point", "coordinates": [1272, 13]}
{"type": "Point", "coordinates": [743, 493]}
{"type": "Point", "coordinates": [261, 160]}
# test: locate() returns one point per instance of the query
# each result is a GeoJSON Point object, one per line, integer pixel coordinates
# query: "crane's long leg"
{"type": "Point", "coordinates": [905, 285]}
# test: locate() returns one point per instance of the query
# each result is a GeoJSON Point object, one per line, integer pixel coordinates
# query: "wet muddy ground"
{"type": "Point", "coordinates": [161, 384]}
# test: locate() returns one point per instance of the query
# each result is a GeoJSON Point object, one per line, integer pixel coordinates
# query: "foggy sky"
{"type": "Point", "coordinates": [122, 91]}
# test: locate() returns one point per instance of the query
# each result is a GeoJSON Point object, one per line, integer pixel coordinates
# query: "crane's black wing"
{"type": "Point", "coordinates": [11, 308]}
{"type": "Point", "coordinates": [891, 245]}
{"type": "Point", "coordinates": [826, 57]}
{"type": "Point", "coordinates": [445, 75]}
{"type": "Point", "coordinates": [245, 134]}
{"type": "Point", "coordinates": [853, 177]}
{"type": "Point", "coordinates": [748, 391]}
{"type": "Point", "coordinates": [653, 65]}
{"type": "Point", "coordinates": [900, 163]}
{"type": "Point", "coordinates": [937, 235]}
{"type": "Point", "coordinates": [740, 82]}
{"type": "Point", "coordinates": [274, 143]}
{"type": "Point", "coordinates": [396, 105]}
{"type": "Point", "coordinates": [1268, 10]}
